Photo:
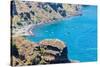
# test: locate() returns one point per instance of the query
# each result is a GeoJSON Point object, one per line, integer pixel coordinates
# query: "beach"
{"type": "Point", "coordinates": [25, 17]}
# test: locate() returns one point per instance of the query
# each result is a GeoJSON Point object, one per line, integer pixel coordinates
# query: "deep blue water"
{"type": "Point", "coordinates": [79, 33]}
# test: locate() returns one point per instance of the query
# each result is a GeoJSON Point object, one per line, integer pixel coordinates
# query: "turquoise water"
{"type": "Point", "coordinates": [79, 33]}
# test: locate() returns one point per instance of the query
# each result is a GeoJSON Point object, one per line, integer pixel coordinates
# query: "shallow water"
{"type": "Point", "coordinates": [79, 33]}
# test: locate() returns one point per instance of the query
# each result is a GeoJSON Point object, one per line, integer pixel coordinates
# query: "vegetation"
{"type": "Point", "coordinates": [27, 53]}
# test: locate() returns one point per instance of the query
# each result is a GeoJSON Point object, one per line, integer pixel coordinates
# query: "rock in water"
{"type": "Point", "coordinates": [56, 51]}
{"type": "Point", "coordinates": [47, 51]}
{"type": "Point", "coordinates": [53, 42]}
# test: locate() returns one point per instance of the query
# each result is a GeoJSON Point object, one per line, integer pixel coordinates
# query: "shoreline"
{"type": "Point", "coordinates": [47, 14]}
{"type": "Point", "coordinates": [29, 31]}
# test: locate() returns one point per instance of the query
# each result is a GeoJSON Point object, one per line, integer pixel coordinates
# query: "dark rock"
{"type": "Point", "coordinates": [36, 60]}
{"type": "Point", "coordinates": [27, 15]}
{"type": "Point", "coordinates": [55, 6]}
{"type": "Point", "coordinates": [22, 15]}
{"type": "Point", "coordinates": [64, 54]}
{"type": "Point", "coordinates": [62, 13]}
{"type": "Point", "coordinates": [32, 12]}
{"type": "Point", "coordinates": [22, 57]}
{"type": "Point", "coordinates": [52, 48]}
{"type": "Point", "coordinates": [63, 58]}
{"type": "Point", "coordinates": [19, 24]}
{"type": "Point", "coordinates": [14, 51]}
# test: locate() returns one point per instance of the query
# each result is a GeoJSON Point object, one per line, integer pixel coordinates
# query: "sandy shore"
{"type": "Point", "coordinates": [39, 14]}
{"type": "Point", "coordinates": [31, 27]}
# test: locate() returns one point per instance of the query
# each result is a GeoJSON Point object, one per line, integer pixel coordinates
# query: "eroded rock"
{"type": "Point", "coordinates": [47, 51]}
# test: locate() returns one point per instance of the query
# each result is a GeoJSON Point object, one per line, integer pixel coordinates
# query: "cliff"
{"type": "Point", "coordinates": [48, 51]}
{"type": "Point", "coordinates": [26, 13]}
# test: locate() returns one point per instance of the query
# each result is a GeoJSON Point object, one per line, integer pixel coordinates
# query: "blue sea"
{"type": "Point", "coordinates": [79, 33]}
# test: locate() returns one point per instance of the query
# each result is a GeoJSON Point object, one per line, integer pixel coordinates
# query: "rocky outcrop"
{"type": "Point", "coordinates": [48, 51]}
{"type": "Point", "coordinates": [53, 42]}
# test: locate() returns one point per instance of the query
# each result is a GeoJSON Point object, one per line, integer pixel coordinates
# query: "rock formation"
{"type": "Point", "coordinates": [48, 51]}
{"type": "Point", "coordinates": [26, 13]}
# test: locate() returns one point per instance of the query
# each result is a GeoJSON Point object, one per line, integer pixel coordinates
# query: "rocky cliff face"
{"type": "Point", "coordinates": [48, 51]}
{"type": "Point", "coordinates": [31, 11]}
{"type": "Point", "coordinates": [26, 13]}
